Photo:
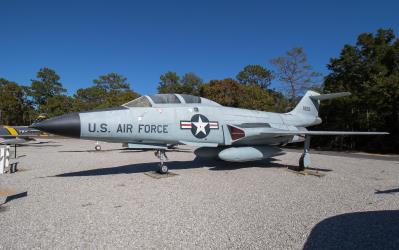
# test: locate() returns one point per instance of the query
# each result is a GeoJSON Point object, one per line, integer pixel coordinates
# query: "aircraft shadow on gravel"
{"type": "Point", "coordinates": [214, 165]}
{"type": "Point", "coordinates": [87, 151]}
{"type": "Point", "coordinates": [361, 230]}
{"type": "Point", "coordinates": [388, 191]}
{"type": "Point", "coordinates": [128, 150]}
{"type": "Point", "coordinates": [15, 196]}
{"type": "Point", "coordinates": [124, 150]}
{"type": "Point", "coordinates": [40, 144]}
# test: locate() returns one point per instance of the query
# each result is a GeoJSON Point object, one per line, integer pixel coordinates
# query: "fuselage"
{"type": "Point", "coordinates": [176, 124]}
{"type": "Point", "coordinates": [178, 119]}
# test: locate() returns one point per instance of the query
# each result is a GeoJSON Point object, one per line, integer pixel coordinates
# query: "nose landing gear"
{"type": "Point", "coordinates": [97, 147]}
{"type": "Point", "coordinates": [161, 154]}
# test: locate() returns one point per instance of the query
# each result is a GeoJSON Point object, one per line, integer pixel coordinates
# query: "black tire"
{"type": "Point", "coordinates": [163, 169]}
{"type": "Point", "coordinates": [301, 166]}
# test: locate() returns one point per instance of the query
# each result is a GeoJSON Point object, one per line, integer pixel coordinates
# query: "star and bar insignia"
{"type": "Point", "coordinates": [200, 125]}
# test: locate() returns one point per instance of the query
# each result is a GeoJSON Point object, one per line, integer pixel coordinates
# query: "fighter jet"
{"type": "Point", "coordinates": [15, 135]}
{"type": "Point", "coordinates": [230, 134]}
{"type": "Point", "coordinates": [11, 135]}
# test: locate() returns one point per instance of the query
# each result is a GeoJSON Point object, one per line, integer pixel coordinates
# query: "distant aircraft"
{"type": "Point", "coordinates": [14, 135]}
{"type": "Point", "coordinates": [231, 134]}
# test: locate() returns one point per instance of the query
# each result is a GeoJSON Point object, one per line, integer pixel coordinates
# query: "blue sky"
{"type": "Point", "coordinates": [141, 40]}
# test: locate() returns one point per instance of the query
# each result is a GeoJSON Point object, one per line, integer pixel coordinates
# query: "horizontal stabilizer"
{"type": "Point", "coordinates": [308, 107]}
{"type": "Point", "coordinates": [323, 97]}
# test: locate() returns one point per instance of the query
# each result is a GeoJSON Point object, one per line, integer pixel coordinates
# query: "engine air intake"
{"type": "Point", "coordinates": [236, 133]}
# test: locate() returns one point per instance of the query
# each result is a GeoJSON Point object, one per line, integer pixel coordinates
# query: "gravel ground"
{"type": "Point", "coordinates": [78, 198]}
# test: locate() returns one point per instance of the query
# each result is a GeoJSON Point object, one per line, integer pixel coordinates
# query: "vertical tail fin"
{"type": "Point", "coordinates": [307, 105]}
{"type": "Point", "coordinates": [310, 102]}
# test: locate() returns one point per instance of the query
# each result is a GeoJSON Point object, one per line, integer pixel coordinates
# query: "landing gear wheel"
{"type": "Point", "coordinates": [97, 147]}
{"type": "Point", "coordinates": [163, 169]}
{"type": "Point", "coordinates": [305, 161]}
{"type": "Point", "coordinates": [301, 166]}
{"type": "Point", "coordinates": [161, 154]}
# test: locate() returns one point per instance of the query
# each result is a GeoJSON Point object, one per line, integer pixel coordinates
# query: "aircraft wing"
{"type": "Point", "coordinates": [289, 132]}
{"type": "Point", "coordinates": [14, 137]}
{"type": "Point", "coordinates": [199, 144]}
{"type": "Point", "coordinates": [11, 141]}
{"type": "Point", "coordinates": [259, 133]}
{"type": "Point", "coordinates": [18, 136]}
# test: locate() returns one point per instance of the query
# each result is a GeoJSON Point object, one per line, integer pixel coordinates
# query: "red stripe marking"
{"type": "Point", "coordinates": [214, 125]}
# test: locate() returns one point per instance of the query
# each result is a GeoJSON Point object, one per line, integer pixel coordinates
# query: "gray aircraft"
{"type": "Point", "coordinates": [12, 135]}
{"type": "Point", "coordinates": [16, 135]}
{"type": "Point", "coordinates": [230, 134]}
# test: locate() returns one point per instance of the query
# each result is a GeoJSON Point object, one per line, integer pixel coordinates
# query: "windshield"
{"type": "Point", "coordinates": [191, 98]}
{"type": "Point", "coordinates": [139, 102]}
{"type": "Point", "coordinates": [165, 98]}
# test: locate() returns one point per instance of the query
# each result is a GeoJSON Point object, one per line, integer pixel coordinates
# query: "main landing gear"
{"type": "Point", "coordinates": [304, 161]}
{"type": "Point", "coordinates": [161, 154]}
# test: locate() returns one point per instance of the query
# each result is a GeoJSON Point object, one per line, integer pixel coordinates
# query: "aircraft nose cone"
{"type": "Point", "coordinates": [65, 125]}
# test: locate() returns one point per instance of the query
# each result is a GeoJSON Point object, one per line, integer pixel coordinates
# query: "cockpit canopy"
{"type": "Point", "coordinates": [169, 99]}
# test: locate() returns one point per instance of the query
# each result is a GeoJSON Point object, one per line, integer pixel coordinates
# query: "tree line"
{"type": "Point", "coordinates": [368, 69]}
{"type": "Point", "coordinates": [20, 105]}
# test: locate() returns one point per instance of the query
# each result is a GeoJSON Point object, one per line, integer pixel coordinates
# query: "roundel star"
{"type": "Point", "coordinates": [200, 125]}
